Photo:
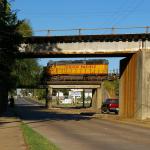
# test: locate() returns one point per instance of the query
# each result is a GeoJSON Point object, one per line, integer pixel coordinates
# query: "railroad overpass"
{"type": "Point", "coordinates": [83, 45]}
{"type": "Point", "coordinates": [134, 68]}
{"type": "Point", "coordinates": [97, 89]}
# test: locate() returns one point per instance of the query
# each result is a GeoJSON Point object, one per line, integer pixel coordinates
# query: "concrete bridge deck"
{"type": "Point", "coordinates": [78, 46]}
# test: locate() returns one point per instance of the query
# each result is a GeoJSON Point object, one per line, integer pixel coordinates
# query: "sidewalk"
{"type": "Point", "coordinates": [11, 137]}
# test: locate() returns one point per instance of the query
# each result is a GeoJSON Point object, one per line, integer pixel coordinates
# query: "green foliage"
{"type": "Point", "coordinates": [35, 141]}
{"type": "Point", "coordinates": [25, 29]}
{"type": "Point", "coordinates": [9, 41]}
{"type": "Point", "coordinates": [112, 87]}
{"type": "Point", "coordinates": [116, 84]}
{"type": "Point", "coordinates": [40, 93]}
{"type": "Point", "coordinates": [26, 72]}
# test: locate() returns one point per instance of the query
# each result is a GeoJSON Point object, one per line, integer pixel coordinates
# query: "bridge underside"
{"type": "Point", "coordinates": [74, 83]}
{"type": "Point", "coordinates": [72, 55]}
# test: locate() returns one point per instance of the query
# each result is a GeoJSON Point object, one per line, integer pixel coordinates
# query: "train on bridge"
{"type": "Point", "coordinates": [77, 70]}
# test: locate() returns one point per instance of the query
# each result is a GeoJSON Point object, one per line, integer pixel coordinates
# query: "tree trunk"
{"type": "Point", "coordinates": [3, 99]}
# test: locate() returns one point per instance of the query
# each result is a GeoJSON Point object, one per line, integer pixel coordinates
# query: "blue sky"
{"type": "Point", "coordinates": [69, 14]}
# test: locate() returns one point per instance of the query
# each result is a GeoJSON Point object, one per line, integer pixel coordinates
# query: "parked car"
{"type": "Point", "coordinates": [110, 105]}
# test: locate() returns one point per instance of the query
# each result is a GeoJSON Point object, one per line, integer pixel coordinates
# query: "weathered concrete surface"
{"type": "Point", "coordinates": [49, 92]}
{"type": "Point", "coordinates": [99, 94]}
{"type": "Point", "coordinates": [86, 47]}
{"type": "Point", "coordinates": [125, 43]}
{"type": "Point", "coordinates": [127, 92]}
{"type": "Point", "coordinates": [94, 99]}
{"type": "Point", "coordinates": [143, 85]}
{"type": "Point", "coordinates": [97, 99]}
{"type": "Point", "coordinates": [135, 86]}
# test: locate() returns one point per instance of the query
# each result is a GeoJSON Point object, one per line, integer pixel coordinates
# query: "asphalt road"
{"type": "Point", "coordinates": [78, 132]}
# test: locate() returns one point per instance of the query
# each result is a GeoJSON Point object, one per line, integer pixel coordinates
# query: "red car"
{"type": "Point", "coordinates": [110, 105]}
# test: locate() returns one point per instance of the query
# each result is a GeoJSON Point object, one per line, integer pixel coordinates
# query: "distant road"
{"type": "Point", "coordinates": [78, 132]}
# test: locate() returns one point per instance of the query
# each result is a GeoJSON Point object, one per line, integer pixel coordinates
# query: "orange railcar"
{"type": "Point", "coordinates": [77, 70]}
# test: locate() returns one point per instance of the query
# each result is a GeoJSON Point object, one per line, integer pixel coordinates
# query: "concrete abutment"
{"type": "Point", "coordinates": [49, 91]}
{"type": "Point", "coordinates": [135, 86]}
{"type": "Point", "coordinates": [97, 99]}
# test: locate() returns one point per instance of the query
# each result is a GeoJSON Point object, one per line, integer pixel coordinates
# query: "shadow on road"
{"type": "Point", "coordinates": [39, 113]}
{"type": "Point", "coordinates": [8, 118]}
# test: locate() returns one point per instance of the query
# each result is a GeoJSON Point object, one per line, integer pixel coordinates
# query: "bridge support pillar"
{"type": "Point", "coordinates": [49, 91]}
{"type": "Point", "coordinates": [127, 92]}
{"type": "Point", "coordinates": [135, 86]}
{"type": "Point", "coordinates": [143, 86]}
{"type": "Point", "coordinates": [97, 98]}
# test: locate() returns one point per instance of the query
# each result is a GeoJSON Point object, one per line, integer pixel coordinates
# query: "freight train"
{"type": "Point", "coordinates": [78, 70]}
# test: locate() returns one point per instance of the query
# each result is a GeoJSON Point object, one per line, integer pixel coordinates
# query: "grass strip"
{"type": "Point", "coordinates": [35, 141]}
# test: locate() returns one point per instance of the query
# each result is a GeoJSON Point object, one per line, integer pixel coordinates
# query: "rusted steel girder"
{"type": "Point", "coordinates": [88, 38]}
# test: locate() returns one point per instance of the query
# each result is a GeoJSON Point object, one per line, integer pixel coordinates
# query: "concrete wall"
{"type": "Point", "coordinates": [97, 99]}
{"type": "Point", "coordinates": [135, 86]}
{"type": "Point", "coordinates": [127, 92]}
{"type": "Point", "coordinates": [86, 47]}
{"type": "Point", "coordinates": [146, 83]}
{"type": "Point", "coordinates": [143, 85]}
{"type": "Point", "coordinates": [49, 91]}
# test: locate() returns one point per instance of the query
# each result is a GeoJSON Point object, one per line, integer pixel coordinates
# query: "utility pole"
{"type": "Point", "coordinates": [83, 95]}
{"type": "Point", "coordinates": [48, 32]}
{"type": "Point", "coordinates": [80, 31]}
{"type": "Point", "coordinates": [113, 30]}
{"type": "Point", "coordinates": [147, 29]}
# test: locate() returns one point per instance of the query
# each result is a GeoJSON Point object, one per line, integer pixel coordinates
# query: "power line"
{"type": "Point", "coordinates": [122, 18]}
{"type": "Point", "coordinates": [77, 14]}
{"type": "Point", "coordinates": [116, 15]}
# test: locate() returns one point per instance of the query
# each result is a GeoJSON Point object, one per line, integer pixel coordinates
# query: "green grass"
{"type": "Point", "coordinates": [35, 141]}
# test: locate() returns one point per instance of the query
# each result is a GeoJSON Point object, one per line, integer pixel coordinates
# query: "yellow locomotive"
{"type": "Point", "coordinates": [77, 70]}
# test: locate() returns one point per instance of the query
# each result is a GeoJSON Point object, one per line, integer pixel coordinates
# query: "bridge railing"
{"type": "Point", "coordinates": [86, 31]}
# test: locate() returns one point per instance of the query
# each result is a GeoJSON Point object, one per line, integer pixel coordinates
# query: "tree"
{"type": "Point", "coordinates": [25, 28]}
{"type": "Point", "coordinates": [9, 41]}
{"type": "Point", "coordinates": [112, 87]}
{"type": "Point", "coordinates": [26, 72]}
